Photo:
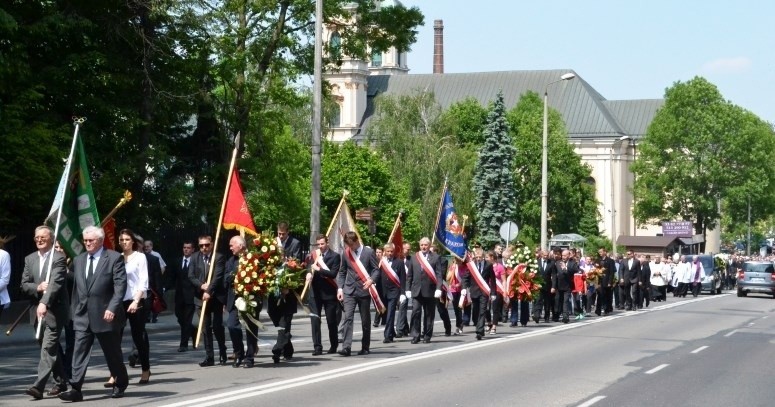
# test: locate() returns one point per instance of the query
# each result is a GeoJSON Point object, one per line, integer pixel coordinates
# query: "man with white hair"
{"type": "Point", "coordinates": [237, 245]}
{"type": "Point", "coordinates": [423, 283]}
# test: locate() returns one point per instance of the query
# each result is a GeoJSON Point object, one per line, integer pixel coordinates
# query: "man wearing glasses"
{"type": "Point", "coordinates": [213, 294]}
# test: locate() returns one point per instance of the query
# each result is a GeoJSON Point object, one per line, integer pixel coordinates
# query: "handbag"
{"type": "Point", "coordinates": [158, 305]}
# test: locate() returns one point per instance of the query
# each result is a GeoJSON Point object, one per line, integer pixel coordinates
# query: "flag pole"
{"type": "Point", "coordinates": [338, 209]}
{"type": "Point", "coordinates": [438, 212]}
{"type": "Point", "coordinates": [395, 226]}
{"type": "Point", "coordinates": [126, 198]}
{"type": "Point", "coordinates": [68, 167]}
{"type": "Point", "coordinates": [217, 236]}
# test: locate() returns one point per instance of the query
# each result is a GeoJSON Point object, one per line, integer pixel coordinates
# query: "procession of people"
{"type": "Point", "coordinates": [102, 290]}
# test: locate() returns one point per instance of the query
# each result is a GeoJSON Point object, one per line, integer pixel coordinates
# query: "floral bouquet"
{"type": "Point", "coordinates": [289, 276]}
{"type": "Point", "coordinates": [522, 255]}
{"type": "Point", "coordinates": [594, 274]}
{"type": "Point", "coordinates": [524, 282]}
{"type": "Point", "coordinates": [255, 273]}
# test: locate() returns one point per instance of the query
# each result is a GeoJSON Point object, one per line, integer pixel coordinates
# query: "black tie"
{"type": "Point", "coordinates": [185, 265]}
{"type": "Point", "coordinates": [90, 270]}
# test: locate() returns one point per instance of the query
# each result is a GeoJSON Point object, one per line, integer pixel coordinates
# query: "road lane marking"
{"type": "Point", "coordinates": [700, 349]}
{"type": "Point", "coordinates": [751, 323]}
{"type": "Point", "coordinates": [254, 391]}
{"type": "Point", "coordinates": [732, 332]}
{"type": "Point", "coordinates": [658, 368]}
{"type": "Point", "coordinates": [591, 401]}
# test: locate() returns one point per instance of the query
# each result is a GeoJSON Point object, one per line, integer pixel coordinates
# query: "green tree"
{"type": "Point", "coordinates": [494, 176]}
{"type": "Point", "coordinates": [699, 150]}
{"type": "Point", "coordinates": [466, 120]}
{"type": "Point", "coordinates": [572, 205]}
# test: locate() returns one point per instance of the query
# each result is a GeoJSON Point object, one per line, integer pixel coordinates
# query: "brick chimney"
{"type": "Point", "coordinates": [438, 46]}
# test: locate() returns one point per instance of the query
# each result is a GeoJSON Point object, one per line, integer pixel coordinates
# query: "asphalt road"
{"type": "Point", "coordinates": [708, 351]}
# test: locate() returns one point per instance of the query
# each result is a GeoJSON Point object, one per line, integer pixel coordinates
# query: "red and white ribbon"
{"type": "Point", "coordinates": [360, 270]}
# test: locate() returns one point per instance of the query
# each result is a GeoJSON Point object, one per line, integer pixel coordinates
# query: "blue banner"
{"type": "Point", "coordinates": [449, 230]}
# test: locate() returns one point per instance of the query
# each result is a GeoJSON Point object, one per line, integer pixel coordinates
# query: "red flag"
{"type": "Point", "coordinates": [237, 215]}
{"type": "Point", "coordinates": [110, 233]}
{"type": "Point", "coordinates": [398, 242]}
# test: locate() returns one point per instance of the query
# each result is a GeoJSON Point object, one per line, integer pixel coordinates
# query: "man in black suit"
{"type": "Point", "coordinates": [480, 294]}
{"type": "Point", "coordinates": [184, 295]}
{"type": "Point", "coordinates": [213, 294]}
{"type": "Point", "coordinates": [605, 297]}
{"type": "Point", "coordinates": [545, 300]}
{"type": "Point", "coordinates": [631, 277]}
{"type": "Point", "coordinates": [358, 271]}
{"type": "Point", "coordinates": [97, 310]}
{"type": "Point", "coordinates": [237, 245]}
{"type": "Point", "coordinates": [324, 267]}
{"type": "Point", "coordinates": [644, 285]}
{"type": "Point", "coordinates": [441, 304]}
{"type": "Point", "coordinates": [562, 285]}
{"type": "Point", "coordinates": [50, 298]}
{"type": "Point", "coordinates": [423, 283]}
{"type": "Point", "coordinates": [402, 324]}
{"type": "Point", "coordinates": [291, 246]}
{"type": "Point", "coordinates": [392, 281]}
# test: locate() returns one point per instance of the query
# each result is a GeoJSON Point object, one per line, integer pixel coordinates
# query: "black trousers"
{"type": "Point", "coordinates": [497, 309]}
{"type": "Point", "coordinates": [459, 320]}
{"type": "Point", "coordinates": [604, 299]}
{"type": "Point", "coordinates": [235, 333]}
{"type": "Point", "coordinates": [562, 304]}
{"type": "Point", "coordinates": [137, 322]}
{"type": "Point", "coordinates": [444, 315]}
{"type": "Point", "coordinates": [696, 288]}
{"type": "Point", "coordinates": [402, 322]}
{"type": "Point", "coordinates": [283, 345]}
{"type": "Point", "coordinates": [390, 317]}
{"type": "Point", "coordinates": [110, 342]}
{"type": "Point", "coordinates": [480, 312]}
{"type": "Point", "coordinates": [185, 315]}
{"type": "Point", "coordinates": [213, 325]}
{"type": "Point", "coordinates": [423, 315]}
{"type": "Point", "coordinates": [333, 316]}
{"type": "Point", "coordinates": [544, 303]}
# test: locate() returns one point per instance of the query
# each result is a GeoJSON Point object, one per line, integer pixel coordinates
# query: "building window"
{"type": "Point", "coordinates": [335, 46]}
{"type": "Point", "coordinates": [398, 59]}
{"type": "Point", "coordinates": [376, 59]}
{"type": "Point", "coordinates": [336, 115]}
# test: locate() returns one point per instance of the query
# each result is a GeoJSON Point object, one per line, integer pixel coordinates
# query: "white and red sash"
{"type": "Point", "coordinates": [426, 267]}
{"type": "Point", "coordinates": [511, 292]}
{"type": "Point", "coordinates": [317, 257]}
{"type": "Point", "coordinates": [477, 276]}
{"type": "Point", "coordinates": [389, 272]}
{"type": "Point", "coordinates": [360, 270]}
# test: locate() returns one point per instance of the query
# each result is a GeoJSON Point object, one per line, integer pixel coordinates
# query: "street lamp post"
{"type": "Point", "coordinates": [613, 184]}
{"type": "Point", "coordinates": [545, 162]}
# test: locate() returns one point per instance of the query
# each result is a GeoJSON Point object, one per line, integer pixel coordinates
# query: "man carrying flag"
{"type": "Point", "coordinates": [423, 284]}
{"type": "Point", "coordinates": [356, 278]}
{"type": "Point", "coordinates": [324, 268]}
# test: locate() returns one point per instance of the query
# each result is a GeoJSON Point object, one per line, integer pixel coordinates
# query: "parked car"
{"type": "Point", "coordinates": [711, 281]}
{"type": "Point", "coordinates": [756, 277]}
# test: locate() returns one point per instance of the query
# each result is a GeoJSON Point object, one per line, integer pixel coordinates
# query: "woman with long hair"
{"type": "Point", "coordinates": [137, 286]}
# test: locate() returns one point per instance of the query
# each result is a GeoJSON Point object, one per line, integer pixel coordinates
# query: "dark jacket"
{"type": "Point", "coordinates": [418, 281]}
{"type": "Point", "coordinates": [197, 273]}
{"type": "Point", "coordinates": [324, 281]}
{"type": "Point", "coordinates": [562, 279]}
{"type": "Point", "coordinates": [56, 297]}
{"type": "Point", "coordinates": [104, 291]}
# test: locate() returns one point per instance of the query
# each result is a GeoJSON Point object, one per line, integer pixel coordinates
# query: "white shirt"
{"type": "Point", "coordinates": [5, 277]}
{"type": "Point", "coordinates": [41, 261]}
{"type": "Point", "coordinates": [136, 275]}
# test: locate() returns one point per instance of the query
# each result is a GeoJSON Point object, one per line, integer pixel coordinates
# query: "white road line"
{"type": "Point", "coordinates": [658, 368]}
{"type": "Point", "coordinates": [253, 391]}
{"type": "Point", "coordinates": [751, 323]}
{"type": "Point", "coordinates": [732, 332]}
{"type": "Point", "coordinates": [591, 401]}
{"type": "Point", "coordinates": [700, 349]}
{"type": "Point", "coordinates": [765, 317]}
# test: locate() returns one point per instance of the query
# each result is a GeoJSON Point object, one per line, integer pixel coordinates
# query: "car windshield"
{"type": "Point", "coordinates": [759, 268]}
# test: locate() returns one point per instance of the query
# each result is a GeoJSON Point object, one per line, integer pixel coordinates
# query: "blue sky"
{"type": "Point", "coordinates": [624, 49]}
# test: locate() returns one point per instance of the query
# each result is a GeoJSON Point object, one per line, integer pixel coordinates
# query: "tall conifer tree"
{"type": "Point", "coordinates": [494, 176]}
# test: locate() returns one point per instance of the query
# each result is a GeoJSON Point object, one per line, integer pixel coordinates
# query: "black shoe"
{"type": "Point", "coordinates": [154, 320]}
{"type": "Point", "coordinates": [207, 362]}
{"type": "Point", "coordinates": [223, 360]}
{"type": "Point", "coordinates": [536, 319]}
{"type": "Point", "coordinates": [415, 341]}
{"type": "Point", "coordinates": [546, 320]}
{"type": "Point", "coordinates": [118, 393]}
{"type": "Point", "coordinates": [512, 325]}
{"type": "Point", "coordinates": [387, 340]}
{"type": "Point", "coordinates": [248, 364]}
{"type": "Point", "coordinates": [288, 358]}
{"type": "Point", "coordinates": [238, 361]}
{"type": "Point", "coordinates": [597, 312]}
{"type": "Point", "coordinates": [340, 340]}
{"type": "Point", "coordinates": [565, 320]}
{"type": "Point", "coordinates": [182, 349]}
{"type": "Point", "coordinates": [399, 335]}
{"type": "Point", "coordinates": [479, 337]}
{"type": "Point", "coordinates": [448, 333]}
{"type": "Point", "coordinates": [56, 390]}
{"type": "Point", "coordinates": [363, 352]}
{"type": "Point", "coordinates": [345, 352]}
{"type": "Point", "coordinates": [317, 352]}
{"type": "Point", "coordinates": [276, 359]}
{"type": "Point", "coordinates": [71, 395]}
{"type": "Point", "coordinates": [34, 393]}
{"type": "Point", "coordinates": [555, 319]}
{"type": "Point", "coordinates": [375, 325]}
{"type": "Point", "coordinates": [331, 350]}
{"type": "Point", "coordinates": [132, 361]}
{"type": "Point", "coordinates": [426, 340]}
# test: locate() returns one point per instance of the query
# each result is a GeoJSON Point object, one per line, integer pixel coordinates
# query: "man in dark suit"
{"type": "Point", "coordinates": [562, 285]}
{"type": "Point", "coordinates": [155, 286]}
{"type": "Point", "coordinates": [213, 294]}
{"type": "Point", "coordinates": [291, 246]}
{"type": "Point", "coordinates": [184, 295]}
{"type": "Point", "coordinates": [441, 304]}
{"type": "Point", "coordinates": [97, 310]}
{"type": "Point", "coordinates": [479, 297]}
{"type": "Point", "coordinates": [423, 283]}
{"type": "Point", "coordinates": [545, 300]}
{"type": "Point", "coordinates": [50, 298]}
{"type": "Point", "coordinates": [324, 267]}
{"type": "Point", "coordinates": [605, 297]}
{"type": "Point", "coordinates": [402, 324]}
{"type": "Point", "coordinates": [237, 245]}
{"type": "Point", "coordinates": [358, 271]}
{"type": "Point", "coordinates": [644, 285]}
{"type": "Point", "coordinates": [631, 277]}
{"type": "Point", "coordinates": [392, 280]}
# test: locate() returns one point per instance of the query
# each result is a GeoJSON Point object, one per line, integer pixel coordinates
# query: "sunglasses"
{"type": "Point", "coordinates": [204, 245]}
